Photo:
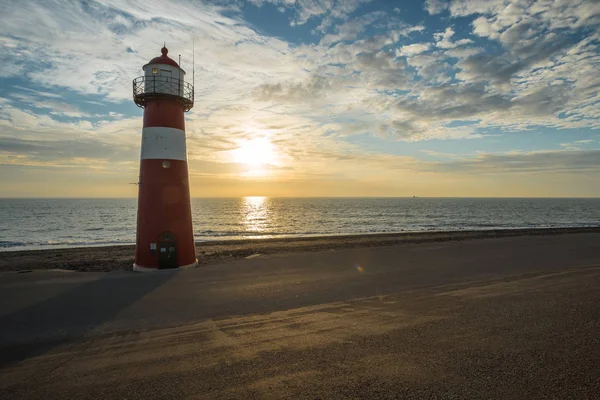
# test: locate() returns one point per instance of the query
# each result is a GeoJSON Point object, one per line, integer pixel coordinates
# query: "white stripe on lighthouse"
{"type": "Point", "coordinates": [163, 143]}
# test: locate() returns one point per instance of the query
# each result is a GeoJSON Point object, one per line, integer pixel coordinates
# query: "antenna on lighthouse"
{"type": "Point", "coordinates": [193, 65]}
{"type": "Point", "coordinates": [180, 83]}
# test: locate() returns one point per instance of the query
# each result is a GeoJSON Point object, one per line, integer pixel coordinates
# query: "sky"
{"type": "Point", "coordinates": [481, 98]}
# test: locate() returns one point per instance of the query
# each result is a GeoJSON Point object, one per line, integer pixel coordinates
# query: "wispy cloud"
{"type": "Point", "coordinates": [581, 161]}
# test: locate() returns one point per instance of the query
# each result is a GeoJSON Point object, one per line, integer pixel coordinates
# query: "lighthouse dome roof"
{"type": "Point", "coordinates": [164, 59]}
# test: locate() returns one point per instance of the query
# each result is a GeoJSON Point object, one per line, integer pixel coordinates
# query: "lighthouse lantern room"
{"type": "Point", "coordinates": [165, 237]}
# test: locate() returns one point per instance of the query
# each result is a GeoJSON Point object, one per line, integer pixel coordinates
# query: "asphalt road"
{"type": "Point", "coordinates": [492, 318]}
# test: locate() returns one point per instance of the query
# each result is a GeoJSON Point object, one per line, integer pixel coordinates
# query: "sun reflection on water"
{"type": "Point", "coordinates": [256, 214]}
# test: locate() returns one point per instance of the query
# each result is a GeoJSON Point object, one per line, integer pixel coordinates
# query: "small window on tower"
{"type": "Point", "coordinates": [154, 71]}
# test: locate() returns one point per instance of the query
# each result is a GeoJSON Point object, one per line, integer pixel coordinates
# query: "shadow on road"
{"type": "Point", "coordinates": [68, 316]}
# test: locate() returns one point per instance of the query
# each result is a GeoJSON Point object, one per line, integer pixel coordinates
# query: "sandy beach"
{"type": "Point", "coordinates": [503, 317]}
{"type": "Point", "coordinates": [120, 258]}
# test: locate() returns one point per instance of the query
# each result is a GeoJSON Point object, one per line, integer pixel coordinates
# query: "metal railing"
{"type": "Point", "coordinates": [152, 87]}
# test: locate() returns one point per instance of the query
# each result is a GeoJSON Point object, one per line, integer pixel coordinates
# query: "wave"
{"type": "Point", "coordinates": [9, 243]}
{"type": "Point", "coordinates": [58, 244]}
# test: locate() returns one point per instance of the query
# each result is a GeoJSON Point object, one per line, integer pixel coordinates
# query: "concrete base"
{"type": "Point", "coordinates": [139, 268]}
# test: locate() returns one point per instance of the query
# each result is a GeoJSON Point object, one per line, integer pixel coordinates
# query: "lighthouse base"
{"type": "Point", "coordinates": [139, 268]}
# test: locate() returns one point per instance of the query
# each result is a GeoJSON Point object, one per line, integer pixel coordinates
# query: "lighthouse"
{"type": "Point", "coordinates": [165, 237]}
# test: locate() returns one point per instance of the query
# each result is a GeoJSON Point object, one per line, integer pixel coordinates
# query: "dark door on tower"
{"type": "Point", "coordinates": [167, 251]}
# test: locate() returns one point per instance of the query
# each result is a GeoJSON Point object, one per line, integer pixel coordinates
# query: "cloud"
{"type": "Point", "coordinates": [443, 41]}
{"type": "Point", "coordinates": [350, 30]}
{"type": "Point", "coordinates": [63, 57]}
{"type": "Point", "coordinates": [58, 152]}
{"type": "Point", "coordinates": [316, 87]}
{"type": "Point", "coordinates": [28, 138]}
{"type": "Point", "coordinates": [413, 49]}
{"type": "Point", "coordinates": [304, 10]}
{"type": "Point", "coordinates": [555, 14]}
{"type": "Point", "coordinates": [40, 93]}
{"type": "Point", "coordinates": [461, 8]}
{"type": "Point", "coordinates": [560, 161]}
{"type": "Point", "coordinates": [462, 52]}
{"type": "Point", "coordinates": [450, 102]}
{"type": "Point", "coordinates": [435, 6]}
{"type": "Point", "coordinates": [483, 27]}
{"type": "Point", "coordinates": [381, 68]}
{"type": "Point", "coordinates": [578, 144]}
{"type": "Point", "coordinates": [43, 101]}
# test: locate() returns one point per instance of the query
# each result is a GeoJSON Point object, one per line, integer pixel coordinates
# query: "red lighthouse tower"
{"type": "Point", "coordinates": [165, 237]}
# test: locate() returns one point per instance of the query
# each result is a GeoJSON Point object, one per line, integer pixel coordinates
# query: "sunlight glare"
{"type": "Point", "coordinates": [255, 153]}
{"type": "Point", "coordinates": [257, 215]}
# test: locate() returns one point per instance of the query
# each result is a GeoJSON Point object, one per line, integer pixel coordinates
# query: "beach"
{"type": "Point", "coordinates": [432, 317]}
{"type": "Point", "coordinates": [120, 258]}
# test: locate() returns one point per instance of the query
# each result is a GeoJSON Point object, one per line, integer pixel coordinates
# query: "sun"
{"type": "Point", "coordinates": [255, 153]}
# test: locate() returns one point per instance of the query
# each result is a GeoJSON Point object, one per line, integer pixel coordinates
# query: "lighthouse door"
{"type": "Point", "coordinates": [167, 251]}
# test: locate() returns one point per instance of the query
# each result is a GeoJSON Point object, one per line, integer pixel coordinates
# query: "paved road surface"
{"type": "Point", "coordinates": [494, 318]}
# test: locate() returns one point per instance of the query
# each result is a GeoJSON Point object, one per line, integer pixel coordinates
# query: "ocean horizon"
{"type": "Point", "coordinates": [41, 223]}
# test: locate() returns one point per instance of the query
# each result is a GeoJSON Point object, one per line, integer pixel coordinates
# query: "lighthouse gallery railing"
{"type": "Point", "coordinates": [148, 87]}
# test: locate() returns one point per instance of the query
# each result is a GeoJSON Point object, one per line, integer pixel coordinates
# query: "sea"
{"type": "Point", "coordinates": [27, 224]}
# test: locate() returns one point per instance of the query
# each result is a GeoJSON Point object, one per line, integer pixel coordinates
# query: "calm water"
{"type": "Point", "coordinates": [51, 223]}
